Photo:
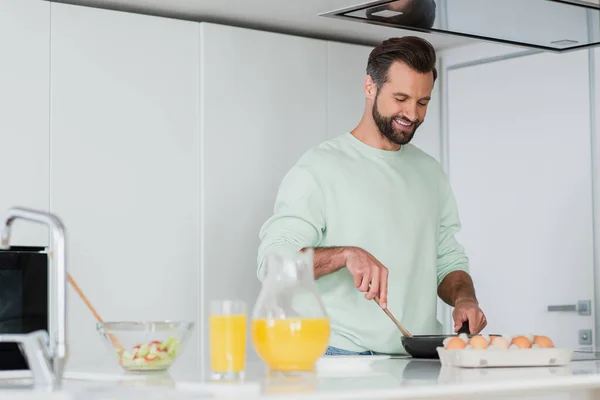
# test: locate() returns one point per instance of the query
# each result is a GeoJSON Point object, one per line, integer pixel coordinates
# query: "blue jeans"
{"type": "Point", "coordinates": [334, 351]}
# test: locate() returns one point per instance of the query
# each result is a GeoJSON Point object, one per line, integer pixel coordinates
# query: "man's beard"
{"type": "Point", "coordinates": [386, 127]}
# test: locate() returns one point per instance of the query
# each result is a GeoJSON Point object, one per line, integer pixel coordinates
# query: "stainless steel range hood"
{"type": "Point", "coordinates": [553, 25]}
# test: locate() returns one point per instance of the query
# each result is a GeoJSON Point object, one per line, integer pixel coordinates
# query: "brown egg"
{"type": "Point", "coordinates": [521, 342]}
{"type": "Point", "coordinates": [455, 343]}
{"type": "Point", "coordinates": [479, 342]}
{"type": "Point", "coordinates": [543, 341]}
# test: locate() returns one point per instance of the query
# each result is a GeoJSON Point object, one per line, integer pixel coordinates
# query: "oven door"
{"type": "Point", "coordinates": [23, 298]}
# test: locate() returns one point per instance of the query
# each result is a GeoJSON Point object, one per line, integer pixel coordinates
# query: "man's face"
{"type": "Point", "coordinates": [400, 106]}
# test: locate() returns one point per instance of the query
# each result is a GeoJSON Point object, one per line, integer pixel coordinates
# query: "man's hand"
{"type": "Point", "coordinates": [468, 310]}
{"type": "Point", "coordinates": [369, 274]}
{"type": "Point", "coordinates": [457, 290]}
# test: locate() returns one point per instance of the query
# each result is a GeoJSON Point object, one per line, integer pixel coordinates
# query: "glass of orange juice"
{"type": "Point", "coordinates": [227, 335]}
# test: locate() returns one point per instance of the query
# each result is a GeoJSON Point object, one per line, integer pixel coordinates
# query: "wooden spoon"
{"type": "Point", "coordinates": [113, 339]}
{"type": "Point", "coordinates": [404, 331]}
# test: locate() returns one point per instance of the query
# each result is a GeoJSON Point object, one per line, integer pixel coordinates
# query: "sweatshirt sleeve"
{"type": "Point", "coordinates": [298, 220]}
{"type": "Point", "coordinates": [451, 254]}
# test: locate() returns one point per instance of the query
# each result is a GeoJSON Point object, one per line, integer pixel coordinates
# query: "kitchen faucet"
{"type": "Point", "coordinates": [45, 352]}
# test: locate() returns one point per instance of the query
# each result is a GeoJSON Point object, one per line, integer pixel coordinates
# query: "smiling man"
{"type": "Point", "coordinates": [379, 215]}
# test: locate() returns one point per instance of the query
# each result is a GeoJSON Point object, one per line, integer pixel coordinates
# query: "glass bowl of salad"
{"type": "Point", "coordinates": [146, 345]}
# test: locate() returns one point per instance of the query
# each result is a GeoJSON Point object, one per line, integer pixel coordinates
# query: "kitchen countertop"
{"type": "Point", "coordinates": [396, 378]}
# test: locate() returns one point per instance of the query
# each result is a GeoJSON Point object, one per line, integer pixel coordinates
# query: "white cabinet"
{"type": "Point", "coordinates": [263, 105]}
{"type": "Point", "coordinates": [346, 71]}
{"type": "Point", "coordinates": [595, 109]}
{"type": "Point", "coordinates": [520, 165]}
{"type": "Point", "coordinates": [125, 169]}
{"type": "Point", "coordinates": [24, 112]}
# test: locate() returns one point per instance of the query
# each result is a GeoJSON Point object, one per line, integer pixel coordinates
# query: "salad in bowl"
{"type": "Point", "coordinates": [146, 346]}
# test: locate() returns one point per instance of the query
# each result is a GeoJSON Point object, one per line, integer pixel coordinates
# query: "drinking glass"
{"type": "Point", "coordinates": [227, 332]}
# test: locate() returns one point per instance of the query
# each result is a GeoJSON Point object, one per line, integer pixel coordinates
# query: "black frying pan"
{"type": "Point", "coordinates": [425, 346]}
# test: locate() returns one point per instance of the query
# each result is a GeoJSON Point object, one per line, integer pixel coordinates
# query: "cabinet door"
{"type": "Point", "coordinates": [263, 105]}
{"type": "Point", "coordinates": [346, 71]}
{"type": "Point", "coordinates": [125, 169]}
{"type": "Point", "coordinates": [520, 165]}
{"type": "Point", "coordinates": [595, 108]}
{"type": "Point", "coordinates": [24, 113]}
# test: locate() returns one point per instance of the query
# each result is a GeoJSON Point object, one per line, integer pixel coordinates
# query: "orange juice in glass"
{"type": "Point", "coordinates": [227, 335]}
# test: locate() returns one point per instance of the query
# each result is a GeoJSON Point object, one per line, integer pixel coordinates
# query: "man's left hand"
{"type": "Point", "coordinates": [468, 310]}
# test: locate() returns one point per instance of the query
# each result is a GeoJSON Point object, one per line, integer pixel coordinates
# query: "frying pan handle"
{"type": "Point", "coordinates": [464, 328]}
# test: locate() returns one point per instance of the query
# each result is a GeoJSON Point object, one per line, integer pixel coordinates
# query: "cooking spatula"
{"type": "Point", "coordinates": [404, 331]}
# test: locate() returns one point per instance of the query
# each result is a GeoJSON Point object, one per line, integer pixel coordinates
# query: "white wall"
{"type": "Point", "coordinates": [125, 170]}
{"type": "Point", "coordinates": [346, 70]}
{"type": "Point", "coordinates": [24, 113]}
{"type": "Point", "coordinates": [529, 90]}
{"type": "Point", "coordinates": [520, 167]}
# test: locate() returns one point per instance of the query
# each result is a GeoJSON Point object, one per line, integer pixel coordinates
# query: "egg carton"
{"type": "Point", "coordinates": [490, 358]}
{"type": "Point", "coordinates": [491, 375]}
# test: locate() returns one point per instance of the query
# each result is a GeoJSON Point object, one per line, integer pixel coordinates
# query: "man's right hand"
{"type": "Point", "coordinates": [369, 274]}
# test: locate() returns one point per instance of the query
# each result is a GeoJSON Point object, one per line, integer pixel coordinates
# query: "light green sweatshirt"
{"type": "Point", "coordinates": [398, 206]}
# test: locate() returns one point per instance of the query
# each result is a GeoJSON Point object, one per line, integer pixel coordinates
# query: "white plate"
{"type": "Point", "coordinates": [347, 363]}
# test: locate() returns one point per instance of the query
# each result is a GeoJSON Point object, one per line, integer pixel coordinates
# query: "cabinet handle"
{"type": "Point", "coordinates": [583, 307]}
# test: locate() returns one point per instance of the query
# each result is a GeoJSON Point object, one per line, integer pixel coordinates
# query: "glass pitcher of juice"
{"type": "Point", "coordinates": [290, 328]}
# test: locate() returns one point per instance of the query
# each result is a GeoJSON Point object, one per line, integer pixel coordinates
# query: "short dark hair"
{"type": "Point", "coordinates": [413, 51]}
